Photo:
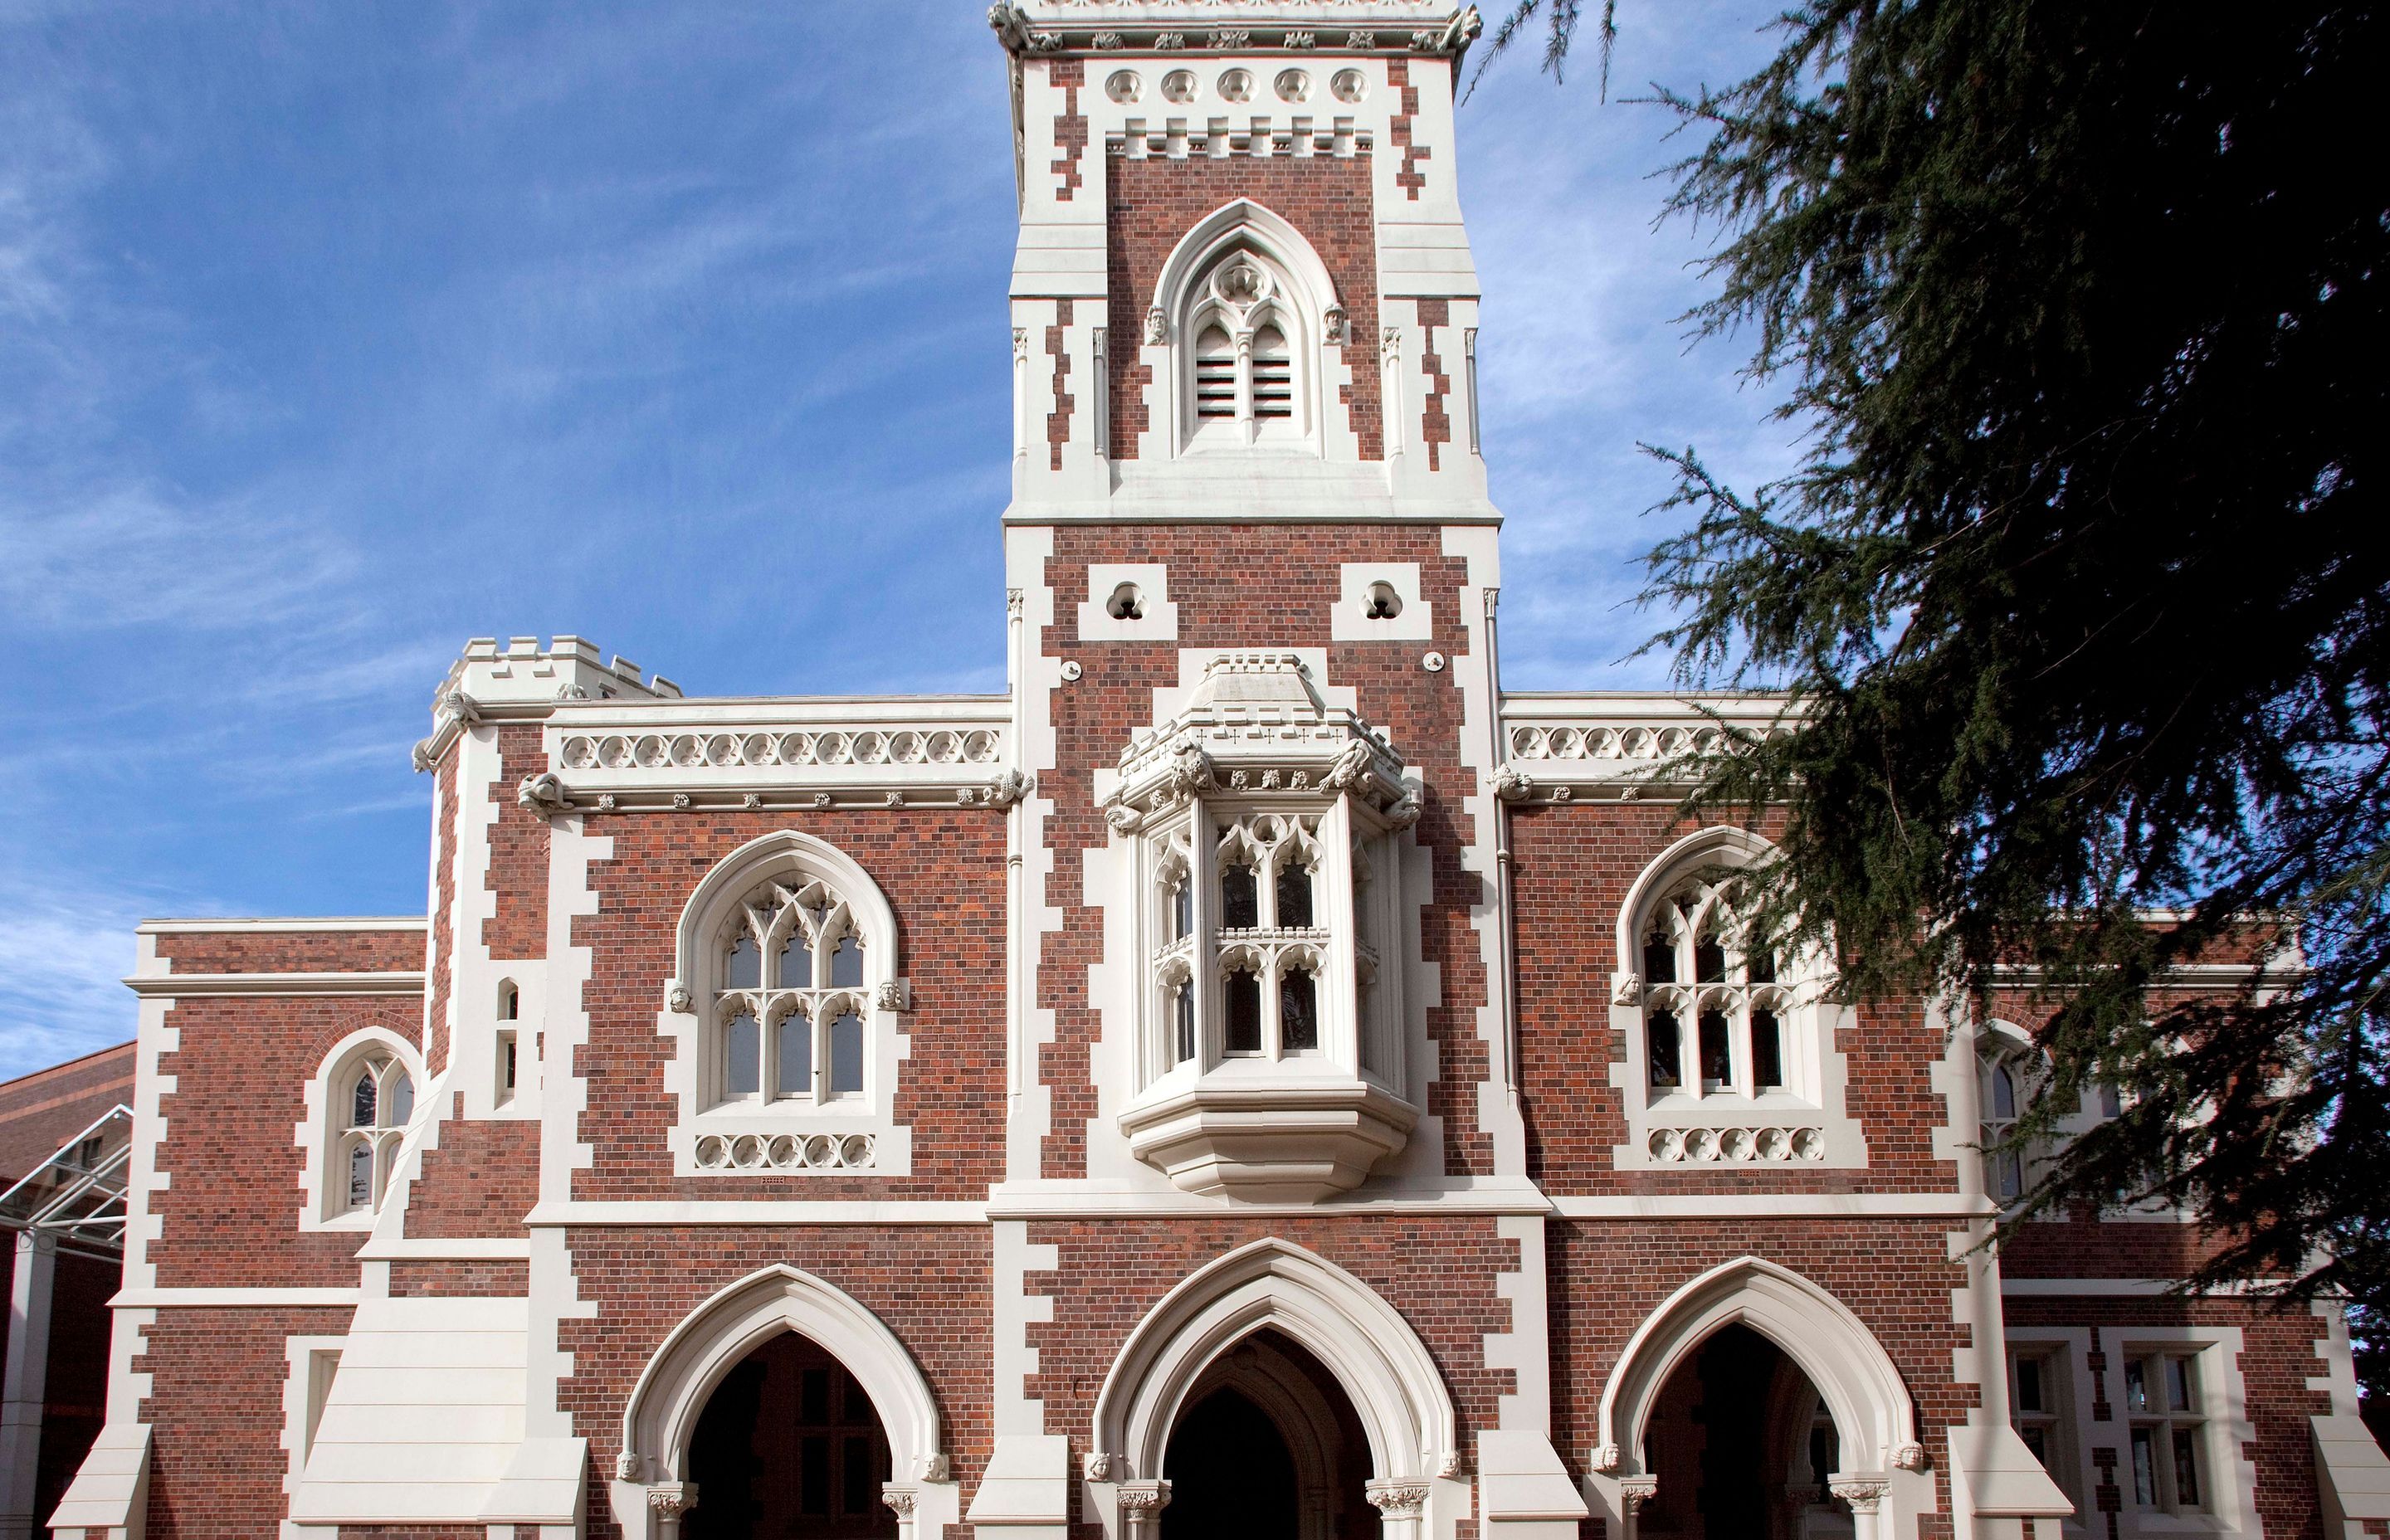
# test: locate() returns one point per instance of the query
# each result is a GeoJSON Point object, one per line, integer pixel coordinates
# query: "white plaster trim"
{"type": "Point", "coordinates": [298, 1391]}
{"type": "Point", "coordinates": [443, 1249]}
{"type": "Point", "coordinates": [1349, 620]}
{"type": "Point", "coordinates": [1777, 1205]}
{"type": "Point", "coordinates": [1857, 1378]}
{"type": "Point", "coordinates": [152, 1300]}
{"type": "Point", "coordinates": [244, 925]}
{"type": "Point", "coordinates": [1095, 1200]}
{"type": "Point", "coordinates": [201, 985]}
{"type": "Point", "coordinates": [1387, 1373]}
{"type": "Point", "coordinates": [790, 1211]}
{"type": "Point", "coordinates": [1485, 852]}
{"type": "Point", "coordinates": [1160, 623]}
{"type": "Point", "coordinates": [662, 1415]}
{"type": "Point", "coordinates": [1525, 1347]}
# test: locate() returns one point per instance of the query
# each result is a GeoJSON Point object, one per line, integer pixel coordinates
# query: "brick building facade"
{"type": "Point", "coordinates": [1255, 1071]}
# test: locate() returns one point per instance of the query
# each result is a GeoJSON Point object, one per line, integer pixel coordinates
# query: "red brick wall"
{"type": "Point", "coordinates": [459, 1280]}
{"type": "Point", "coordinates": [517, 871]}
{"type": "Point", "coordinates": [1155, 202]}
{"type": "Point", "coordinates": [1572, 866]}
{"type": "Point", "coordinates": [2276, 1360]}
{"type": "Point", "coordinates": [1410, 178]}
{"type": "Point", "coordinates": [230, 1215]}
{"type": "Point", "coordinates": [216, 1460]}
{"type": "Point", "coordinates": [443, 899]}
{"type": "Point", "coordinates": [481, 1181]}
{"type": "Point", "coordinates": [1606, 1277]}
{"type": "Point", "coordinates": [943, 872]}
{"type": "Point", "coordinates": [928, 1284]}
{"type": "Point", "coordinates": [1435, 423]}
{"type": "Point", "coordinates": [292, 951]}
{"type": "Point", "coordinates": [1070, 128]}
{"type": "Point", "coordinates": [1242, 585]}
{"type": "Point", "coordinates": [1058, 421]}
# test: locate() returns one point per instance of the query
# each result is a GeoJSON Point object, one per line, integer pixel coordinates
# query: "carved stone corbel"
{"type": "Point", "coordinates": [1007, 788]}
{"type": "Point", "coordinates": [1335, 320]}
{"type": "Point", "coordinates": [933, 1466]}
{"type": "Point", "coordinates": [544, 794]}
{"type": "Point", "coordinates": [679, 1001]}
{"type": "Point", "coordinates": [630, 1466]}
{"type": "Point", "coordinates": [421, 756]}
{"type": "Point", "coordinates": [1605, 1457]}
{"type": "Point", "coordinates": [1347, 769]}
{"type": "Point", "coordinates": [898, 994]}
{"type": "Point", "coordinates": [1406, 808]}
{"type": "Point", "coordinates": [1626, 989]}
{"type": "Point", "coordinates": [1909, 1457]}
{"type": "Point", "coordinates": [671, 1499]}
{"type": "Point", "coordinates": [1097, 1465]}
{"type": "Point", "coordinates": [1124, 817]}
{"type": "Point", "coordinates": [1157, 326]}
{"type": "Point", "coordinates": [463, 707]}
{"type": "Point", "coordinates": [1513, 785]}
{"type": "Point", "coordinates": [1191, 770]}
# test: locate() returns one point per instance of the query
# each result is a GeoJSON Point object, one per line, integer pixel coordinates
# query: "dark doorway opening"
{"type": "Point", "coordinates": [1742, 1447]}
{"type": "Point", "coordinates": [1267, 1448]}
{"type": "Point", "coordinates": [789, 1448]}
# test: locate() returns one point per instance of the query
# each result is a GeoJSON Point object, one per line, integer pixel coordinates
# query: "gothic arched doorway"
{"type": "Point", "coordinates": [1741, 1446]}
{"type": "Point", "coordinates": [1267, 1448]}
{"type": "Point", "coordinates": [788, 1447]}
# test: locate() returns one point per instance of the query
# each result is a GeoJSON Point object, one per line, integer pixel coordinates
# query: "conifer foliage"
{"type": "Point", "coordinates": [2081, 587]}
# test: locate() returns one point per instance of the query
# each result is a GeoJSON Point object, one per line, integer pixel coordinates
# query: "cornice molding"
{"type": "Point", "coordinates": [169, 986]}
{"type": "Point", "coordinates": [1108, 27]}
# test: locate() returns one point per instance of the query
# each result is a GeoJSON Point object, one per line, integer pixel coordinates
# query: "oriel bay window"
{"type": "Point", "coordinates": [1268, 885]}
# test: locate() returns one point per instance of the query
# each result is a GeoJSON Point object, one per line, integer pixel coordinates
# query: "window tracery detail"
{"type": "Point", "coordinates": [1731, 1057]}
{"type": "Point", "coordinates": [380, 1101]}
{"type": "Point", "coordinates": [787, 1009]}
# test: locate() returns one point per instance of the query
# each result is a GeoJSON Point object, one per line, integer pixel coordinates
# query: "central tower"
{"type": "Point", "coordinates": [1253, 568]}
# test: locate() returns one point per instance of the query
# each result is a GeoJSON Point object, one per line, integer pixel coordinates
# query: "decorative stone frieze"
{"type": "Point", "coordinates": [621, 761]}
{"type": "Point", "coordinates": [1737, 1145]}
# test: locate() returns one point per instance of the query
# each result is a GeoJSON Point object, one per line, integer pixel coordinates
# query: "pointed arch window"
{"type": "Point", "coordinates": [1243, 377]}
{"type": "Point", "coordinates": [380, 1103]}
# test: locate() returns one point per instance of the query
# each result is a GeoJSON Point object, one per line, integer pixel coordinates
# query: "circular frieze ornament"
{"type": "Point", "coordinates": [1350, 85]}
{"type": "Point", "coordinates": [1071, 670]}
{"type": "Point", "coordinates": [1125, 85]}
{"type": "Point", "coordinates": [1432, 663]}
{"type": "Point", "coordinates": [1237, 85]}
{"type": "Point", "coordinates": [1294, 86]}
{"type": "Point", "coordinates": [1179, 86]}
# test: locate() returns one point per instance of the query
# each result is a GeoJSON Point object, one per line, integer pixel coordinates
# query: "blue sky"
{"type": "Point", "coordinates": [332, 336]}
